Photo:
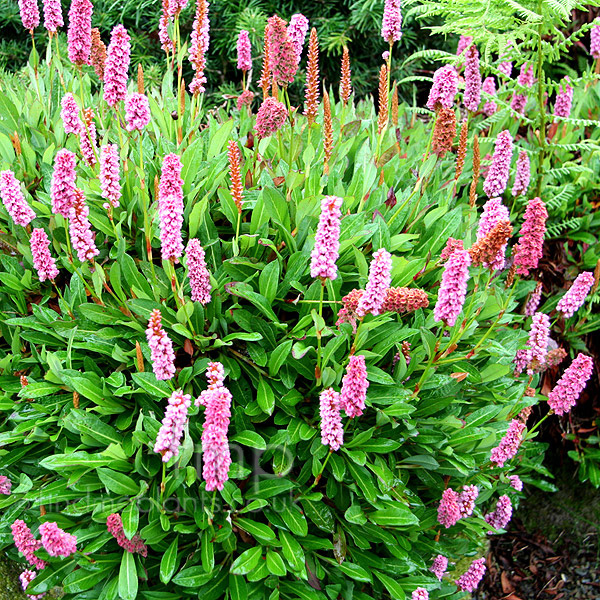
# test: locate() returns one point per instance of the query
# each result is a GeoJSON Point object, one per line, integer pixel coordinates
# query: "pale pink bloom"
{"type": "Point", "coordinates": [218, 407]}
{"type": "Point", "coordinates": [509, 444]}
{"type": "Point", "coordinates": [354, 387]}
{"type": "Point", "coordinates": [53, 18]}
{"type": "Point", "coordinates": [163, 26]}
{"type": "Point", "coordinates": [5, 485]}
{"type": "Point", "coordinates": [170, 208]}
{"type": "Point", "coordinates": [43, 262]}
{"type": "Point", "coordinates": [62, 187]}
{"type": "Point", "coordinates": [70, 114]}
{"type": "Point", "coordinates": [526, 80]}
{"type": "Point", "coordinates": [453, 288]}
{"type": "Point", "coordinates": [169, 435]}
{"type": "Point", "coordinates": [80, 31]}
{"type": "Point", "coordinates": [332, 431]}
{"type": "Point", "coordinates": [595, 39]}
{"type": "Point", "coordinates": [564, 99]}
{"type": "Point", "coordinates": [385, 55]}
{"type": "Point", "coordinates": [534, 300]}
{"type": "Point", "coordinates": [469, 581]}
{"type": "Point", "coordinates": [489, 87]}
{"type": "Point", "coordinates": [520, 361]}
{"type": "Point", "coordinates": [244, 99]}
{"type": "Point", "coordinates": [296, 32]}
{"type": "Point", "coordinates": [500, 517]}
{"type": "Point", "coordinates": [114, 525]}
{"type": "Point", "coordinates": [137, 111]}
{"type": "Point", "coordinates": [538, 342]}
{"type": "Point", "coordinates": [472, 95]}
{"type": "Point", "coordinates": [463, 43]}
{"type": "Point", "coordinates": [327, 239]}
{"type": "Point", "coordinates": [531, 243]}
{"type": "Point", "coordinates": [170, 183]}
{"type": "Point", "coordinates": [26, 577]}
{"type": "Point", "coordinates": [523, 175]}
{"type": "Point", "coordinates": [380, 277]}
{"type": "Point", "coordinates": [568, 388]}
{"type": "Point", "coordinates": [391, 25]}
{"type": "Point", "coordinates": [216, 457]}
{"type": "Point", "coordinates": [110, 175]}
{"type": "Point", "coordinates": [14, 200]}
{"type": "Point", "coordinates": [161, 347]}
{"type": "Point", "coordinates": [451, 245]}
{"type": "Point", "coordinates": [117, 66]}
{"type": "Point", "coordinates": [244, 51]}
{"type": "Point", "coordinates": [466, 500]}
{"type": "Point", "coordinates": [30, 14]}
{"type": "Point", "coordinates": [215, 374]}
{"type": "Point", "coordinates": [176, 6]}
{"type": "Point", "coordinates": [283, 60]}
{"type": "Point", "coordinates": [444, 87]}
{"type": "Point", "coordinates": [199, 46]}
{"type": "Point", "coordinates": [449, 509]}
{"type": "Point", "coordinates": [270, 117]}
{"type": "Point", "coordinates": [497, 177]}
{"type": "Point", "coordinates": [439, 566]}
{"type": "Point", "coordinates": [575, 297]}
{"type": "Point", "coordinates": [57, 542]}
{"type": "Point", "coordinates": [80, 230]}
{"type": "Point", "coordinates": [197, 272]}
{"type": "Point", "coordinates": [420, 594]}
{"type": "Point", "coordinates": [493, 212]}
{"type": "Point", "coordinates": [26, 544]}
{"type": "Point", "coordinates": [516, 483]}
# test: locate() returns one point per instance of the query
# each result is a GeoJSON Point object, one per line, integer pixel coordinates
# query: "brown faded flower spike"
{"type": "Point", "coordinates": [476, 167]}
{"type": "Point", "coordinates": [233, 154]}
{"type": "Point", "coordinates": [311, 96]}
{"type": "Point", "coordinates": [327, 131]}
{"type": "Point", "coordinates": [265, 75]}
{"type": "Point", "coordinates": [462, 149]}
{"type": "Point", "coordinates": [395, 105]}
{"type": "Point", "coordinates": [486, 249]}
{"type": "Point", "coordinates": [140, 79]}
{"type": "Point", "coordinates": [444, 131]}
{"type": "Point", "coordinates": [98, 54]}
{"type": "Point", "coordinates": [382, 118]}
{"type": "Point", "coordinates": [345, 83]}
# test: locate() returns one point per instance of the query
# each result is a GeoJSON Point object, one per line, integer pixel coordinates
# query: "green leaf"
{"type": "Point", "coordinates": [394, 516]}
{"type": "Point", "coordinates": [250, 439]}
{"type": "Point", "coordinates": [267, 488]}
{"type": "Point", "coordinates": [392, 586]}
{"type": "Point", "coordinates": [151, 385]}
{"type": "Point", "coordinates": [246, 561]}
{"type": "Point", "coordinates": [192, 577]}
{"type": "Point", "coordinates": [131, 518]}
{"type": "Point", "coordinates": [275, 564]}
{"type": "Point", "coordinates": [354, 571]}
{"type": "Point", "coordinates": [269, 280]}
{"type": "Point", "coordinates": [291, 550]}
{"type": "Point", "coordinates": [260, 531]}
{"type": "Point", "coordinates": [279, 356]}
{"type": "Point", "coordinates": [238, 590]}
{"type": "Point", "coordinates": [292, 516]}
{"type": "Point", "coordinates": [50, 576]}
{"type": "Point", "coordinates": [81, 580]}
{"type": "Point", "coordinates": [168, 562]}
{"type": "Point", "coordinates": [128, 579]}
{"type": "Point", "coordinates": [363, 479]}
{"type": "Point", "coordinates": [118, 483]}
{"type": "Point", "coordinates": [207, 551]}
{"type": "Point", "coordinates": [265, 397]}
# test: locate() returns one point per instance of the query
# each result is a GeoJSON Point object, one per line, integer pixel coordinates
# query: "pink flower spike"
{"type": "Point", "coordinates": [165, 20]}
{"type": "Point", "coordinates": [43, 262]}
{"type": "Point", "coordinates": [26, 577]}
{"type": "Point", "coordinates": [30, 14]}
{"type": "Point", "coordinates": [575, 297]}
{"type": "Point", "coordinates": [569, 387]}
{"type": "Point", "coordinates": [463, 43]}
{"type": "Point", "coordinates": [110, 175]}
{"type": "Point", "coordinates": [80, 230]}
{"type": "Point", "coordinates": [216, 457]}
{"type": "Point", "coordinates": [5, 485]}
{"type": "Point", "coordinates": [169, 435]}
{"type": "Point", "coordinates": [595, 40]}
{"type": "Point", "coordinates": [87, 137]}
{"type": "Point", "coordinates": [444, 88]}
{"type": "Point", "coordinates": [497, 177]}
{"type": "Point", "coordinates": [380, 277]}
{"type": "Point", "coordinates": [296, 32]}
{"type": "Point", "coordinates": [26, 544]}
{"type": "Point", "coordinates": [199, 46]}
{"type": "Point", "coordinates": [332, 431]}
{"type": "Point", "coordinates": [79, 33]}
{"type": "Point", "coordinates": [469, 581]}
{"type": "Point", "coordinates": [354, 387]}
{"type": "Point", "coordinates": [14, 200]}
{"type": "Point", "coordinates": [500, 517]}
{"type": "Point", "coordinates": [53, 18]}
{"type": "Point", "coordinates": [114, 526]}
{"type": "Point", "coordinates": [170, 208]}
{"type": "Point", "coordinates": [57, 542]}
{"type": "Point", "coordinates": [117, 66]}
{"type": "Point", "coordinates": [564, 99]}
{"type": "Point", "coordinates": [283, 60]}
{"type": "Point", "coordinates": [62, 187]}
{"type": "Point", "coordinates": [538, 342]}
{"type": "Point", "coordinates": [466, 500]}
{"type": "Point", "coordinates": [516, 483]}
{"type": "Point", "coordinates": [523, 175]}
{"type": "Point", "coordinates": [420, 594]}
{"type": "Point", "coordinates": [197, 272]}
{"type": "Point", "coordinates": [391, 25]}
{"type": "Point", "coordinates": [161, 348]}
{"type": "Point", "coordinates": [244, 51]}
{"type": "Point", "coordinates": [489, 87]}
{"type": "Point", "coordinates": [327, 240]}
{"type": "Point", "coordinates": [439, 566]}
{"type": "Point", "coordinates": [449, 509]}
{"type": "Point", "coordinates": [453, 288]}
{"type": "Point", "coordinates": [472, 95]}
{"type": "Point", "coordinates": [451, 245]}
{"type": "Point", "coordinates": [530, 247]}
{"type": "Point", "coordinates": [526, 80]}
{"type": "Point", "coordinates": [534, 300]}
{"type": "Point", "coordinates": [493, 212]}
{"type": "Point", "coordinates": [70, 114]}
{"type": "Point", "coordinates": [270, 118]}
{"type": "Point", "coordinates": [509, 444]}
{"type": "Point", "coordinates": [137, 111]}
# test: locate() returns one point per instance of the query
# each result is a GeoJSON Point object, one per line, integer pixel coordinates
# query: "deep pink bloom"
{"type": "Point", "coordinates": [509, 444]}
{"type": "Point", "coordinates": [391, 25]}
{"type": "Point", "coordinates": [171, 183]}
{"type": "Point", "coordinates": [197, 272]}
{"type": "Point", "coordinates": [380, 277]}
{"type": "Point", "coordinates": [489, 87]}
{"type": "Point", "coordinates": [218, 407]}
{"type": "Point", "coordinates": [244, 51]}
{"type": "Point", "coordinates": [244, 99]}
{"type": "Point", "coordinates": [564, 99]}
{"type": "Point", "coordinates": [80, 230]}
{"type": "Point", "coordinates": [563, 396]}
{"type": "Point", "coordinates": [80, 31]}
{"type": "Point", "coordinates": [283, 60]}
{"type": "Point", "coordinates": [500, 517]}
{"type": "Point", "coordinates": [497, 177]}
{"type": "Point", "coordinates": [451, 245]}
{"type": "Point", "coordinates": [53, 18]}
{"type": "Point", "coordinates": [199, 46]}
{"type": "Point", "coordinates": [215, 374]}
{"type": "Point", "coordinates": [449, 509]}
{"type": "Point", "coordinates": [170, 208]}
{"type": "Point", "coordinates": [439, 566]}
{"type": "Point", "coordinates": [469, 581]}
{"type": "Point", "coordinates": [270, 117]}
{"type": "Point", "coordinates": [26, 544]}
{"type": "Point", "coordinates": [57, 542]}
{"type": "Point", "coordinates": [14, 200]}
{"type": "Point", "coordinates": [526, 80]}
{"type": "Point", "coordinates": [516, 483]}
{"type": "Point", "coordinates": [5, 485]}
{"type": "Point", "coordinates": [538, 342]}
{"type": "Point", "coordinates": [216, 457]}
{"type": "Point", "coordinates": [354, 387]}
{"type": "Point", "coordinates": [453, 288]}
{"type": "Point", "coordinates": [137, 111]}
{"type": "Point", "coordinates": [296, 32]}
{"type": "Point", "coordinates": [161, 347]}
{"type": "Point", "coordinates": [62, 187]}
{"type": "Point", "coordinates": [531, 243]}
{"type": "Point", "coordinates": [169, 435]}
{"type": "Point", "coordinates": [70, 114]}
{"type": "Point", "coordinates": [165, 20]}
{"type": "Point", "coordinates": [520, 361]}
{"type": "Point", "coordinates": [30, 13]}
{"type": "Point", "coordinates": [110, 175]}
{"type": "Point", "coordinates": [466, 500]}
{"type": "Point", "coordinates": [87, 137]}
{"type": "Point", "coordinates": [493, 212]}
{"type": "Point", "coordinates": [26, 577]}
{"type": "Point", "coordinates": [573, 300]}
{"type": "Point", "coordinates": [332, 431]}
{"type": "Point", "coordinates": [595, 40]}
{"type": "Point", "coordinates": [534, 300]}
{"type": "Point", "coordinates": [523, 175]}
{"type": "Point", "coordinates": [472, 95]}
{"type": "Point", "coordinates": [43, 262]}
{"type": "Point", "coordinates": [444, 88]}
{"type": "Point", "coordinates": [117, 66]}
{"type": "Point", "coordinates": [463, 43]}
{"type": "Point", "coordinates": [176, 6]}
{"type": "Point", "coordinates": [420, 594]}
{"type": "Point", "coordinates": [114, 525]}
{"type": "Point", "coordinates": [327, 239]}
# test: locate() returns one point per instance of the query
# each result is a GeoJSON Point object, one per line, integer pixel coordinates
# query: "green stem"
{"type": "Point", "coordinates": [541, 89]}
{"type": "Point", "coordinates": [318, 370]}
{"type": "Point", "coordinates": [163, 485]}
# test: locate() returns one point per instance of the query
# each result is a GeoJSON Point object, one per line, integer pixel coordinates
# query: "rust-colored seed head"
{"type": "Point", "coordinates": [327, 131]}
{"type": "Point", "coordinates": [486, 249]}
{"type": "Point", "coordinates": [402, 299]}
{"type": "Point", "coordinates": [311, 95]}
{"type": "Point", "coordinates": [462, 149]}
{"type": "Point", "coordinates": [98, 54]}
{"type": "Point", "coordinates": [476, 167]}
{"type": "Point", "coordinates": [529, 392]}
{"type": "Point", "coordinates": [233, 154]}
{"type": "Point", "coordinates": [274, 89]}
{"type": "Point", "coordinates": [405, 348]}
{"type": "Point", "coordinates": [395, 105]}
{"type": "Point", "coordinates": [555, 357]}
{"type": "Point", "coordinates": [510, 278]}
{"type": "Point", "coordinates": [156, 182]}
{"type": "Point", "coordinates": [265, 76]}
{"type": "Point", "coordinates": [382, 117]}
{"type": "Point", "coordinates": [139, 357]}
{"type": "Point", "coordinates": [75, 400]}
{"type": "Point", "coordinates": [444, 131]}
{"type": "Point", "coordinates": [16, 142]}
{"type": "Point", "coordinates": [24, 381]}
{"type": "Point", "coordinates": [140, 79]}
{"type": "Point", "coordinates": [596, 277]}
{"type": "Point", "coordinates": [525, 414]}
{"type": "Point", "coordinates": [42, 510]}
{"type": "Point", "coordinates": [346, 83]}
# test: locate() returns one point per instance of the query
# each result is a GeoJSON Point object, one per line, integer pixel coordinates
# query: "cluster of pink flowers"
{"type": "Point", "coordinates": [516, 483]}
{"type": "Point", "coordinates": [444, 88]}
{"type": "Point", "coordinates": [449, 508]}
{"type": "Point", "coordinates": [137, 111]}
{"type": "Point", "coordinates": [439, 566]}
{"type": "Point", "coordinates": [79, 33]}
{"type": "Point", "coordinates": [451, 245]}
{"type": "Point", "coordinates": [502, 515]}
{"type": "Point", "coordinates": [43, 262]}
{"type": "Point", "coordinates": [466, 500]}
{"type": "Point", "coordinates": [197, 272]}
{"type": "Point", "coordinates": [169, 435]}
{"type": "Point", "coordinates": [332, 431]}
{"type": "Point", "coordinates": [62, 186]}
{"type": "Point", "coordinates": [199, 46]}
{"type": "Point", "coordinates": [270, 117]}
{"type": "Point", "coordinates": [14, 200]}
{"type": "Point", "coordinates": [87, 137]}
{"type": "Point", "coordinates": [283, 59]}
{"type": "Point", "coordinates": [493, 212]}
{"type": "Point", "coordinates": [57, 542]}
{"type": "Point", "coordinates": [327, 240]}
{"type": "Point", "coordinates": [215, 374]}
{"type": "Point", "coordinates": [525, 79]}
{"type": "Point", "coordinates": [472, 95]}
{"type": "Point", "coordinates": [497, 177]}
{"type": "Point", "coordinates": [30, 14]}
{"type": "Point", "coordinates": [244, 51]}
{"type": "Point", "coordinates": [354, 387]}
{"type": "Point", "coordinates": [70, 114]}
{"type": "Point", "coordinates": [564, 99]}
{"type": "Point", "coordinates": [509, 444]}
{"type": "Point", "coordinates": [80, 229]}
{"type": "Point", "coordinates": [244, 99]}
{"type": "Point", "coordinates": [420, 594]}
{"type": "Point", "coordinates": [568, 388]}
{"type": "Point", "coordinates": [117, 66]}
{"type": "Point", "coordinates": [26, 544]}
{"type": "Point", "coordinates": [5, 485]}
{"type": "Point", "coordinates": [573, 300]}
{"type": "Point", "coordinates": [469, 581]}
{"type": "Point", "coordinates": [380, 277]}
{"type": "Point", "coordinates": [26, 577]}
{"type": "Point", "coordinates": [165, 20]}
{"type": "Point", "coordinates": [522, 175]}
{"type": "Point", "coordinates": [534, 300]}
{"type": "Point", "coordinates": [489, 87]}
{"type": "Point", "coordinates": [530, 246]}
{"type": "Point", "coordinates": [464, 41]}
{"type": "Point", "coordinates": [170, 208]}
{"type": "Point", "coordinates": [453, 288]}
{"type": "Point", "coordinates": [161, 347]}
{"type": "Point", "coordinates": [595, 40]}
{"type": "Point", "coordinates": [296, 32]}
{"type": "Point", "coordinates": [114, 525]}
{"type": "Point", "coordinates": [53, 18]}
{"type": "Point", "coordinates": [110, 175]}
{"type": "Point", "coordinates": [538, 342]}
{"type": "Point", "coordinates": [391, 25]}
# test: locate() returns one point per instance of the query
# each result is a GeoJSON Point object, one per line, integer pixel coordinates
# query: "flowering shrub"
{"type": "Point", "coordinates": [262, 355]}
